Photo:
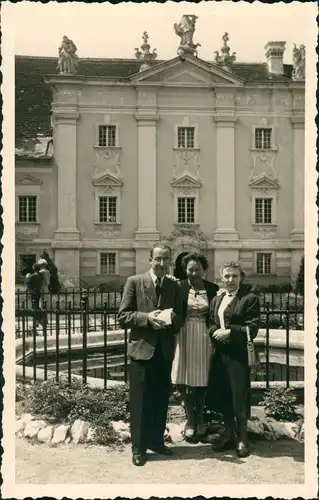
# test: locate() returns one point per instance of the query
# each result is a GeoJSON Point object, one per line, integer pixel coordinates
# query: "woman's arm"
{"type": "Point", "coordinates": [251, 317]}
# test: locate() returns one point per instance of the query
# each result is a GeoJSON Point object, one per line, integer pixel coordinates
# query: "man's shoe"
{"type": "Point", "coordinates": [242, 450]}
{"type": "Point", "coordinates": [161, 450]}
{"type": "Point", "coordinates": [139, 459]}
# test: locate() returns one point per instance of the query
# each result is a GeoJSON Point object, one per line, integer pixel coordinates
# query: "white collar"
{"type": "Point", "coordinates": [232, 294]}
{"type": "Point", "coordinates": [154, 277]}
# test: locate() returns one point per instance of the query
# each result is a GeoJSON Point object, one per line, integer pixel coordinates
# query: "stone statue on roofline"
{"type": "Point", "coordinates": [68, 59]}
{"type": "Point", "coordinates": [185, 29]}
{"type": "Point", "coordinates": [299, 63]}
{"type": "Point", "coordinates": [145, 55]}
{"type": "Point", "coordinates": [225, 58]}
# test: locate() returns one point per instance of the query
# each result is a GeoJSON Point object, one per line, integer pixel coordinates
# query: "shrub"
{"type": "Point", "coordinates": [62, 401]}
{"type": "Point", "coordinates": [279, 403]}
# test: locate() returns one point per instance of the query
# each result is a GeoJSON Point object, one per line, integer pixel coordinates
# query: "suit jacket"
{"type": "Point", "coordinates": [139, 299]}
{"type": "Point", "coordinates": [211, 290]}
{"type": "Point", "coordinates": [244, 310]}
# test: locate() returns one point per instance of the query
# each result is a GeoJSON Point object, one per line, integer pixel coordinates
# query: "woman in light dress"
{"type": "Point", "coordinates": [192, 361]}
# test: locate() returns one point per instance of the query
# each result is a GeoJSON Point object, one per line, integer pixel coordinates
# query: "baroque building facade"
{"type": "Point", "coordinates": [114, 155]}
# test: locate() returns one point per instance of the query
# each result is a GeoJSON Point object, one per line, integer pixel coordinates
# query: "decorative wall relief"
{"type": "Point", "coordinates": [107, 230]}
{"type": "Point", "coordinates": [108, 161]}
{"type": "Point", "coordinates": [188, 230]}
{"type": "Point", "coordinates": [186, 160]}
{"type": "Point", "coordinates": [264, 232]}
{"type": "Point", "coordinates": [146, 99]}
{"type": "Point", "coordinates": [263, 162]}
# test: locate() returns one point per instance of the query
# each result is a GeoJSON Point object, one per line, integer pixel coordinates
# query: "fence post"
{"type": "Point", "coordinates": [45, 339]}
{"type": "Point", "coordinates": [287, 346]}
{"type": "Point", "coordinates": [57, 343]}
{"type": "Point", "coordinates": [69, 341]}
{"type": "Point", "coordinates": [84, 303]}
{"type": "Point", "coordinates": [23, 340]}
{"type": "Point", "coordinates": [105, 345]}
{"type": "Point", "coordinates": [267, 344]}
{"type": "Point", "coordinates": [34, 337]}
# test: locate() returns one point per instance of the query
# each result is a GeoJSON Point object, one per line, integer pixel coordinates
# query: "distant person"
{"type": "Point", "coordinates": [193, 355]}
{"type": "Point", "coordinates": [151, 349]}
{"type": "Point", "coordinates": [45, 273]}
{"type": "Point", "coordinates": [55, 285]}
{"type": "Point", "coordinates": [231, 313]}
{"type": "Point", "coordinates": [34, 283]}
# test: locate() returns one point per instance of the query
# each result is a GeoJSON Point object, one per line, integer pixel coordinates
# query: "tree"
{"type": "Point", "coordinates": [300, 285]}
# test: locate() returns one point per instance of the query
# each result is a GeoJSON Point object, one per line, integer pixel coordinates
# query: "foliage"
{"type": "Point", "coordinates": [279, 403]}
{"type": "Point", "coordinates": [300, 285]}
{"type": "Point", "coordinates": [64, 402]}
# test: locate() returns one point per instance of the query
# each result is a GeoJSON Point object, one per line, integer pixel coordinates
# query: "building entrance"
{"type": "Point", "coordinates": [179, 271]}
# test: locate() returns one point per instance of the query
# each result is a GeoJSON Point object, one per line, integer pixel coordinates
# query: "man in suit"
{"type": "Point", "coordinates": [151, 349]}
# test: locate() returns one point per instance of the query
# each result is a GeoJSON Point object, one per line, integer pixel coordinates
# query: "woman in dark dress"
{"type": "Point", "coordinates": [192, 361]}
{"type": "Point", "coordinates": [229, 387]}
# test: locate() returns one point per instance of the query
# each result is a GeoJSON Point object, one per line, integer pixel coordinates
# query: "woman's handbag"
{"type": "Point", "coordinates": [253, 358]}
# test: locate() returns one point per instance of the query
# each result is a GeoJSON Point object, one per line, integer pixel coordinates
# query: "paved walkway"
{"type": "Point", "coordinates": [279, 462]}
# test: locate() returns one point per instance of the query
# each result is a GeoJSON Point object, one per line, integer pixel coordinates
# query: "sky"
{"type": "Point", "coordinates": [106, 30]}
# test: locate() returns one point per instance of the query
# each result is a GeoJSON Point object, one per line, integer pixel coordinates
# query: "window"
{"type": "Point", "coordinates": [185, 210]}
{"type": "Point", "coordinates": [107, 263]}
{"type": "Point", "coordinates": [107, 135]}
{"type": "Point", "coordinates": [27, 209]}
{"type": "Point", "coordinates": [263, 210]}
{"type": "Point", "coordinates": [263, 138]}
{"type": "Point", "coordinates": [263, 263]}
{"type": "Point", "coordinates": [107, 209]}
{"type": "Point", "coordinates": [186, 137]}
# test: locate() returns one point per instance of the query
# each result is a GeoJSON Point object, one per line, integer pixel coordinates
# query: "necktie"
{"type": "Point", "coordinates": [158, 287]}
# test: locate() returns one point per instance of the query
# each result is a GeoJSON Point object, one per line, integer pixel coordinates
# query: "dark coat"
{"type": "Point", "coordinates": [211, 290]}
{"type": "Point", "coordinates": [229, 379]}
{"type": "Point", "coordinates": [139, 299]}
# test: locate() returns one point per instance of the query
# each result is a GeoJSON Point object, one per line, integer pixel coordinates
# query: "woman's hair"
{"type": "Point", "coordinates": [197, 257]}
{"type": "Point", "coordinates": [235, 265]}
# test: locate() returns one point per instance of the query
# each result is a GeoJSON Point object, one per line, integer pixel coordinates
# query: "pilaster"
{"type": "Point", "coordinates": [147, 118]}
{"type": "Point", "coordinates": [225, 190]}
{"type": "Point", "coordinates": [298, 126]}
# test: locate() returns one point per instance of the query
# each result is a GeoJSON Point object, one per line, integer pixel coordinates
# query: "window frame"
{"type": "Point", "coordinates": [98, 263]}
{"type": "Point", "coordinates": [273, 146]}
{"type": "Point", "coordinates": [272, 262]}
{"type": "Point", "coordinates": [263, 223]}
{"type": "Point", "coordinates": [97, 135]}
{"type": "Point", "coordinates": [185, 198]}
{"type": "Point", "coordinates": [184, 126]}
{"type": "Point", "coordinates": [27, 195]}
{"type": "Point", "coordinates": [107, 196]}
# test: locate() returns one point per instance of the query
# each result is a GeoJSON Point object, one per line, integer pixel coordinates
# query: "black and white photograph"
{"type": "Point", "coordinates": [159, 249]}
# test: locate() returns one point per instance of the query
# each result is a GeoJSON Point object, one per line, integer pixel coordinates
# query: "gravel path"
{"type": "Point", "coordinates": [279, 462]}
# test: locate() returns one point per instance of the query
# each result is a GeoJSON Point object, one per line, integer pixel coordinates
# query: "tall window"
{"type": "Point", "coordinates": [107, 209]}
{"type": "Point", "coordinates": [107, 135]}
{"type": "Point", "coordinates": [263, 138]}
{"type": "Point", "coordinates": [186, 210]}
{"type": "Point", "coordinates": [263, 264]}
{"type": "Point", "coordinates": [186, 137]}
{"type": "Point", "coordinates": [27, 209]}
{"type": "Point", "coordinates": [263, 210]}
{"type": "Point", "coordinates": [107, 263]}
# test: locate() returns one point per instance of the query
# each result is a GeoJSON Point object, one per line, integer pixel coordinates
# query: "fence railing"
{"type": "Point", "coordinates": [82, 337]}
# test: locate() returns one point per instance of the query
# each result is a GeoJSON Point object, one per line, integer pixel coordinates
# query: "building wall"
{"type": "Point", "coordinates": [82, 108]}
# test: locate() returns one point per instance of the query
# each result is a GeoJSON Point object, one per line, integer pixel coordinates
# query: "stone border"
{"type": "Point", "coordinates": [82, 432]}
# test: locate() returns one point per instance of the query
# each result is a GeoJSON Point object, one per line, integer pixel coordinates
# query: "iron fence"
{"type": "Point", "coordinates": [82, 337]}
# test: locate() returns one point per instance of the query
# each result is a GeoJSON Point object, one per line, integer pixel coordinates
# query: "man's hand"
{"type": "Point", "coordinates": [170, 277]}
{"type": "Point", "coordinates": [222, 335]}
{"type": "Point", "coordinates": [155, 323]}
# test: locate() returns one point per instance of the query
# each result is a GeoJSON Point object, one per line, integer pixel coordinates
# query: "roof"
{"type": "Point", "coordinates": [33, 96]}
